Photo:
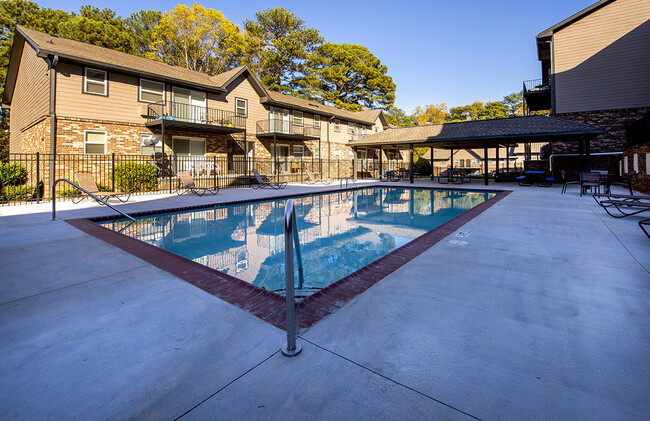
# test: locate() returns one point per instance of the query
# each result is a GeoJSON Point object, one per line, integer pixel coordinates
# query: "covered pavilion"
{"type": "Point", "coordinates": [484, 134]}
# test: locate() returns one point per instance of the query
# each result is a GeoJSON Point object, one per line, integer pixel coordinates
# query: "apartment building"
{"type": "Point", "coordinates": [69, 97]}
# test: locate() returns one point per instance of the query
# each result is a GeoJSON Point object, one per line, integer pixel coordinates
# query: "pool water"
{"type": "Point", "coordinates": [339, 232]}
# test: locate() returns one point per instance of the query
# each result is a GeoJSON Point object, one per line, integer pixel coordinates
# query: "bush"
{"type": "Point", "coordinates": [16, 193]}
{"type": "Point", "coordinates": [422, 166]}
{"type": "Point", "coordinates": [12, 174]}
{"type": "Point", "coordinates": [133, 176]}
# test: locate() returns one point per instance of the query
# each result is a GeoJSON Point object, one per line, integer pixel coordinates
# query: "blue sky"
{"type": "Point", "coordinates": [436, 51]}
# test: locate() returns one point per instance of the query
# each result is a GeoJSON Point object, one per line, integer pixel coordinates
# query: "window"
{"type": "Point", "coordinates": [148, 143]}
{"type": "Point", "coordinates": [297, 118]}
{"type": "Point", "coordinates": [95, 82]}
{"type": "Point", "coordinates": [337, 125]}
{"type": "Point", "coordinates": [298, 151]}
{"type": "Point", "coordinates": [241, 107]}
{"type": "Point", "coordinates": [376, 129]}
{"type": "Point", "coordinates": [351, 128]}
{"type": "Point", "coordinates": [189, 147]}
{"type": "Point", "coordinates": [362, 130]}
{"type": "Point", "coordinates": [94, 142]}
{"type": "Point", "coordinates": [317, 121]}
{"type": "Point", "coordinates": [151, 91]}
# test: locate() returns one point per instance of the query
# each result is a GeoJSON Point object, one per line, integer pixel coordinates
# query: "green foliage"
{"type": "Point", "coordinates": [12, 174]}
{"type": "Point", "coordinates": [478, 111]}
{"type": "Point", "coordinates": [398, 117]}
{"type": "Point", "coordinates": [278, 44]}
{"type": "Point", "coordinates": [347, 76]}
{"type": "Point", "coordinates": [422, 166]}
{"type": "Point", "coordinates": [99, 27]}
{"type": "Point", "coordinates": [515, 103]}
{"type": "Point", "coordinates": [142, 25]}
{"type": "Point", "coordinates": [16, 193]}
{"type": "Point", "coordinates": [133, 176]}
{"type": "Point", "coordinates": [4, 132]}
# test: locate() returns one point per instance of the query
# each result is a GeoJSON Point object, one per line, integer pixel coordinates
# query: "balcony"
{"type": "Point", "coordinates": [194, 118]}
{"type": "Point", "coordinates": [283, 129]}
{"type": "Point", "coordinates": [537, 95]}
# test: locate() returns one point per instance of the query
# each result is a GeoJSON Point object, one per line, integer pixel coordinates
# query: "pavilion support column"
{"type": "Point", "coordinates": [587, 156]}
{"type": "Point", "coordinates": [581, 155]}
{"type": "Point", "coordinates": [507, 158]}
{"type": "Point", "coordinates": [354, 164]}
{"type": "Point", "coordinates": [411, 165]}
{"type": "Point", "coordinates": [381, 161]}
{"type": "Point", "coordinates": [485, 163]}
{"type": "Point", "coordinates": [451, 158]}
{"type": "Point", "coordinates": [432, 160]}
{"type": "Point", "coordinates": [497, 158]}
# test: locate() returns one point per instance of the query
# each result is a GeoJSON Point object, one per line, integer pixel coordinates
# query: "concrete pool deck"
{"type": "Point", "coordinates": [538, 310]}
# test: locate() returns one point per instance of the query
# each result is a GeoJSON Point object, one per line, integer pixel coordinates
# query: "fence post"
{"type": "Point", "coordinates": [302, 169]}
{"type": "Point", "coordinates": [38, 178]}
{"type": "Point", "coordinates": [338, 168]}
{"type": "Point", "coordinates": [214, 171]}
{"type": "Point", "coordinates": [172, 162]}
{"type": "Point", "coordinates": [113, 171]}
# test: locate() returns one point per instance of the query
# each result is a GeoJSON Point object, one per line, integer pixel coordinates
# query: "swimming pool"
{"type": "Point", "coordinates": [339, 232]}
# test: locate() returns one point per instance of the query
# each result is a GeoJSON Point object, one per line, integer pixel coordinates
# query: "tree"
{"type": "Point", "coordinates": [515, 103]}
{"type": "Point", "coordinates": [198, 39]}
{"type": "Point", "coordinates": [347, 76]}
{"type": "Point", "coordinates": [432, 114]}
{"type": "Point", "coordinates": [278, 45]}
{"type": "Point", "coordinates": [99, 27]}
{"type": "Point", "coordinates": [478, 110]}
{"type": "Point", "coordinates": [398, 117]}
{"type": "Point", "coordinates": [141, 25]}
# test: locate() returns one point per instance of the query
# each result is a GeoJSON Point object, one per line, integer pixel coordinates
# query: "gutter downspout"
{"type": "Point", "coordinates": [52, 61]}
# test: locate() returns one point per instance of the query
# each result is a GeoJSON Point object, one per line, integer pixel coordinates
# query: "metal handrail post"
{"type": "Point", "coordinates": [292, 348]}
{"type": "Point", "coordinates": [88, 193]}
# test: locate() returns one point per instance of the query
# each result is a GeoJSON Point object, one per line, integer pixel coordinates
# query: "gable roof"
{"type": "Point", "coordinates": [472, 134]}
{"type": "Point", "coordinates": [47, 45]}
{"type": "Point", "coordinates": [571, 19]}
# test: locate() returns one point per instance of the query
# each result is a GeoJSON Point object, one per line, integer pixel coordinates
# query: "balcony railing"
{"type": "Point", "coordinates": [284, 127]}
{"type": "Point", "coordinates": [535, 85]}
{"type": "Point", "coordinates": [195, 114]}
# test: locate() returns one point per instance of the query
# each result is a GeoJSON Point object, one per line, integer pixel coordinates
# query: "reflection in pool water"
{"type": "Point", "coordinates": [339, 232]}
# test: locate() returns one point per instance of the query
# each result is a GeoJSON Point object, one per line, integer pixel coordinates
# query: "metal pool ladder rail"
{"type": "Point", "coordinates": [348, 182]}
{"type": "Point", "coordinates": [103, 202]}
{"type": "Point", "coordinates": [290, 233]}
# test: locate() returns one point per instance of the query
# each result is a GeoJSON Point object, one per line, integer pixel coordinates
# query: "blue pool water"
{"type": "Point", "coordinates": [339, 232]}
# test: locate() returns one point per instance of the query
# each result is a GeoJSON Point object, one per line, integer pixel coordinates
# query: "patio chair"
{"type": "Point", "coordinates": [186, 183]}
{"type": "Point", "coordinates": [86, 181]}
{"type": "Point", "coordinates": [313, 180]}
{"type": "Point", "coordinates": [589, 180]}
{"type": "Point", "coordinates": [645, 222]}
{"type": "Point", "coordinates": [261, 183]}
{"type": "Point", "coordinates": [566, 180]}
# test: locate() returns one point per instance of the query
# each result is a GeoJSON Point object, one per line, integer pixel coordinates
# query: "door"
{"type": "Point", "coordinates": [188, 105]}
{"type": "Point", "coordinates": [190, 155]}
{"type": "Point", "coordinates": [282, 159]}
{"type": "Point", "coordinates": [279, 120]}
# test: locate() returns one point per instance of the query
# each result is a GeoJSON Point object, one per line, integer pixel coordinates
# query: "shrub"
{"type": "Point", "coordinates": [422, 166]}
{"type": "Point", "coordinates": [12, 174]}
{"type": "Point", "coordinates": [16, 193]}
{"type": "Point", "coordinates": [133, 176]}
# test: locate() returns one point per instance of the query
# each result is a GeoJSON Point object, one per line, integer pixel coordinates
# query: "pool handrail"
{"type": "Point", "coordinates": [348, 181]}
{"type": "Point", "coordinates": [290, 233]}
{"type": "Point", "coordinates": [103, 202]}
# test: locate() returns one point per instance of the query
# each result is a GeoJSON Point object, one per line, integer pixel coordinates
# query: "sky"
{"type": "Point", "coordinates": [454, 51]}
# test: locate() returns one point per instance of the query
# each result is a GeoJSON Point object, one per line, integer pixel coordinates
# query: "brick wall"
{"type": "Point", "coordinates": [614, 122]}
{"type": "Point", "coordinates": [37, 137]}
{"type": "Point", "coordinates": [641, 181]}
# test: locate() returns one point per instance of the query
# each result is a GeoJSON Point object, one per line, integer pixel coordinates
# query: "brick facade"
{"type": "Point", "coordinates": [641, 181]}
{"type": "Point", "coordinates": [614, 122]}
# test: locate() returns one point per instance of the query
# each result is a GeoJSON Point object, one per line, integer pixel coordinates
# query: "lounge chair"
{"type": "Point", "coordinates": [186, 183]}
{"type": "Point", "coordinates": [645, 222]}
{"type": "Point", "coordinates": [261, 183]}
{"type": "Point", "coordinates": [625, 207]}
{"type": "Point", "coordinates": [86, 181]}
{"type": "Point", "coordinates": [313, 180]}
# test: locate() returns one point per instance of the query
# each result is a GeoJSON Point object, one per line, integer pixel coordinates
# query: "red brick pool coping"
{"type": "Point", "coordinates": [265, 304]}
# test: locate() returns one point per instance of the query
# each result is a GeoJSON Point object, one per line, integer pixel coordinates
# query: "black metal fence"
{"type": "Point", "coordinates": [27, 178]}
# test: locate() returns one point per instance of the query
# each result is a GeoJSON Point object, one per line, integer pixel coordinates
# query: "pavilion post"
{"type": "Point", "coordinates": [497, 158]}
{"type": "Point", "coordinates": [381, 166]}
{"type": "Point", "coordinates": [451, 158]}
{"type": "Point", "coordinates": [485, 162]}
{"type": "Point", "coordinates": [354, 164]}
{"type": "Point", "coordinates": [581, 154]}
{"type": "Point", "coordinates": [508, 158]}
{"type": "Point", "coordinates": [587, 156]}
{"type": "Point", "coordinates": [411, 165]}
{"type": "Point", "coordinates": [432, 166]}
